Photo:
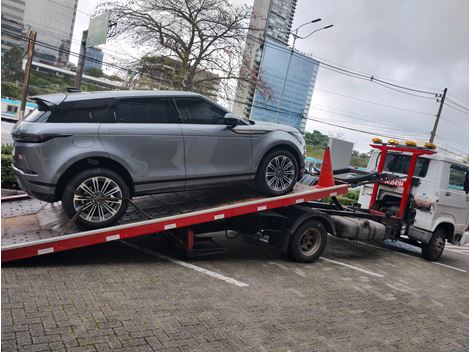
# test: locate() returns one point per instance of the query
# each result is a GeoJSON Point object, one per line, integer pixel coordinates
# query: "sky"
{"type": "Point", "coordinates": [421, 44]}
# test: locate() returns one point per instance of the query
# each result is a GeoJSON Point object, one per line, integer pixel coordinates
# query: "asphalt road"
{"type": "Point", "coordinates": [141, 295]}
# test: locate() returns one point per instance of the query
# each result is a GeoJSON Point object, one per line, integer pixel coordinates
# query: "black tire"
{"type": "Point", "coordinates": [71, 204]}
{"type": "Point", "coordinates": [261, 176]}
{"type": "Point", "coordinates": [304, 249]}
{"type": "Point", "coordinates": [433, 250]}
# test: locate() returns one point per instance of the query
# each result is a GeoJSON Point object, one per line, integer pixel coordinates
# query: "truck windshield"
{"type": "Point", "coordinates": [400, 163]}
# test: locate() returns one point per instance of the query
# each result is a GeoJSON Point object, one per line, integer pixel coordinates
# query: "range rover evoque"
{"type": "Point", "coordinates": [95, 151]}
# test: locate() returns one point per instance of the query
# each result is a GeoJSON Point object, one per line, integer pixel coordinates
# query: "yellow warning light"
{"type": "Point", "coordinates": [393, 141]}
{"type": "Point", "coordinates": [410, 143]}
{"type": "Point", "coordinates": [430, 145]}
{"type": "Point", "coordinates": [376, 140]}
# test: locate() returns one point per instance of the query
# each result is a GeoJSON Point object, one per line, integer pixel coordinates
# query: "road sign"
{"type": "Point", "coordinates": [98, 30]}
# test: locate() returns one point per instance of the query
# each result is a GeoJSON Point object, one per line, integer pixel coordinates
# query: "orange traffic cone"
{"type": "Point", "coordinates": [326, 172]}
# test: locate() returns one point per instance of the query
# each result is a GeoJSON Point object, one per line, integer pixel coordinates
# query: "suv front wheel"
{"type": "Point", "coordinates": [101, 196]}
{"type": "Point", "coordinates": [277, 173]}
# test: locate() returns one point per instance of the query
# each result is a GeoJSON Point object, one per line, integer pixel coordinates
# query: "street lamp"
{"type": "Point", "coordinates": [293, 48]}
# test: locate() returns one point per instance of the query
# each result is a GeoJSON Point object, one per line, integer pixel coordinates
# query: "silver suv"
{"type": "Point", "coordinates": [94, 151]}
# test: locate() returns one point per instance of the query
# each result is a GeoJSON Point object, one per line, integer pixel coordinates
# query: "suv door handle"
{"type": "Point", "coordinates": [447, 194]}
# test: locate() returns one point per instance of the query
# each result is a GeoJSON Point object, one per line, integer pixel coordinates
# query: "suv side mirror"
{"type": "Point", "coordinates": [231, 119]}
{"type": "Point", "coordinates": [465, 185]}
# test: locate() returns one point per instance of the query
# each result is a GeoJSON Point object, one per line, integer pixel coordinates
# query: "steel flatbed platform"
{"type": "Point", "coordinates": [31, 227]}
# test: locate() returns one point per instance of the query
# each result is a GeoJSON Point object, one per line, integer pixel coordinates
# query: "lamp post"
{"type": "Point", "coordinates": [292, 52]}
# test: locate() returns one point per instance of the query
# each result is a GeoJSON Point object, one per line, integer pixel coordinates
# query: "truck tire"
{"type": "Point", "coordinates": [308, 242]}
{"type": "Point", "coordinates": [433, 250]}
{"type": "Point", "coordinates": [85, 190]}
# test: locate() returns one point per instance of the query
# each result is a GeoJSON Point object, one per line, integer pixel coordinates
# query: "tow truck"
{"type": "Point", "coordinates": [296, 223]}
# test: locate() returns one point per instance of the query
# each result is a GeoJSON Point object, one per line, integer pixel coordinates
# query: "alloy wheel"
{"type": "Point", "coordinates": [99, 198]}
{"type": "Point", "coordinates": [280, 173]}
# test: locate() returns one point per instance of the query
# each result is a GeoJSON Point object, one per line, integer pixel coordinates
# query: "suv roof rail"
{"type": "Point", "coordinates": [73, 90]}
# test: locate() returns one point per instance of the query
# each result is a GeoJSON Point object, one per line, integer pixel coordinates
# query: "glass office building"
{"type": "Point", "coordinates": [288, 78]}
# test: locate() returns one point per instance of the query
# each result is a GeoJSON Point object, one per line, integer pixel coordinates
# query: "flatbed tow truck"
{"type": "Point", "coordinates": [295, 223]}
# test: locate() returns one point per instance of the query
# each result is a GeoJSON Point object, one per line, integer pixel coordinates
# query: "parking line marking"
{"type": "Point", "coordinates": [408, 255]}
{"type": "Point", "coordinates": [463, 252]}
{"type": "Point", "coordinates": [187, 265]}
{"type": "Point", "coordinates": [352, 267]}
{"type": "Point", "coordinates": [450, 267]}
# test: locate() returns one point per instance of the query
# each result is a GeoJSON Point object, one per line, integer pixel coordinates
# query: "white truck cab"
{"type": "Point", "coordinates": [439, 195]}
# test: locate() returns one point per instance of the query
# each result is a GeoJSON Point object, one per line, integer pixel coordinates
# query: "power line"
{"type": "Point", "coordinates": [376, 103]}
{"type": "Point", "coordinates": [457, 104]}
{"type": "Point", "coordinates": [453, 107]}
{"type": "Point", "coordinates": [69, 7]}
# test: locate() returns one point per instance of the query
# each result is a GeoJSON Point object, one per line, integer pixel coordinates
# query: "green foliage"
{"type": "Point", "coordinates": [7, 149]}
{"type": "Point", "coordinates": [11, 65]}
{"type": "Point", "coordinates": [11, 90]}
{"type": "Point", "coordinates": [8, 176]}
{"type": "Point", "coordinates": [348, 199]}
{"type": "Point", "coordinates": [95, 72]}
{"type": "Point", "coordinates": [316, 139]}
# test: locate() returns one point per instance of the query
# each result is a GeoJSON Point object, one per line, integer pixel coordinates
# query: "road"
{"type": "Point", "coordinates": [141, 295]}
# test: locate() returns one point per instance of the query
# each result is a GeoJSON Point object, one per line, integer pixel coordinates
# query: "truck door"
{"type": "Point", "coordinates": [453, 201]}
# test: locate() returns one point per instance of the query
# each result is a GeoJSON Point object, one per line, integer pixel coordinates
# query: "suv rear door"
{"type": "Point", "coordinates": [146, 137]}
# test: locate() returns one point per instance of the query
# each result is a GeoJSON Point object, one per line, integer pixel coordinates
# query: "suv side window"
{"type": "Point", "coordinates": [199, 111]}
{"type": "Point", "coordinates": [94, 111]}
{"type": "Point", "coordinates": [457, 178]}
{"type": "Point", "coordinates": [146, 110]}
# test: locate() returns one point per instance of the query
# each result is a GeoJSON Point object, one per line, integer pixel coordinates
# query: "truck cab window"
{"type": "Point", "coordinates": [458, 177]}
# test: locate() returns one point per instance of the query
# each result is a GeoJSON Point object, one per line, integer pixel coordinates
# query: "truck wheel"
{"type": "Point", "coordinates": [85, 190]}
{"type": "Point", "coordinates": [433, 250]}
{"type": "Point", "coordinates": [308, 242]}
{"type": "Point", "coordinates": [277, 173]}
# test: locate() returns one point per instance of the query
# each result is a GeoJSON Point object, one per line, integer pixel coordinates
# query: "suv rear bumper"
{"type": "Point", "coordinates": [29, 184]}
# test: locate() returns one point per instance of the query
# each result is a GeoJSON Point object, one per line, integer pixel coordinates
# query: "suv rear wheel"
{"type": "Point", "coordinates": [101, 196]}
{"type": "Point", "coordinates": [277, 173]}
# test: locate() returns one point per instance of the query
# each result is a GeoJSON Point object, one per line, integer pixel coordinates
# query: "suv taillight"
{"type": "Point", "coordinates": [35, 138]}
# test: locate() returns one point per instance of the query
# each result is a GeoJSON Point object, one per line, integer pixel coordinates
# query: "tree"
{"type": "Point", "coordinates": [11, 64]}
{"type": "Point", "coordinates": [11, 90]}
{"type": "Point", "coordinates": [202, 35]}
{"type": "Point", "coordinates": [94, 71]}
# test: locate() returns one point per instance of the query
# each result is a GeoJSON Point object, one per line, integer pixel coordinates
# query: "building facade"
{"type": "Point", "coordinates": [291, 77]}
{"type": "Point", "coordinates": [93, 58]}
{"type": "Point", "coordinates": [269, 19]}
{"type": "Point", "coordinates": [12, 24]}
{"type": "Point", "coordinates": [54, 26]}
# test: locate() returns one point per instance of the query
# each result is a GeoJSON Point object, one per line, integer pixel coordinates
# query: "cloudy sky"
{"type": "Point", "coordinates": [420, 44]}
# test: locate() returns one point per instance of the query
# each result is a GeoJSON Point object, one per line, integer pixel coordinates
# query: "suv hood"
{"type": "Point", "coordinates": [269, 126]}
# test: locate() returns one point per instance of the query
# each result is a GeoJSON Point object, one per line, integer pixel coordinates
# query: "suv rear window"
{"type": "Point", "coordinates": [89, 111]}
{"type": "Point", "coordinates": [146, 110]}
{"type": "Point", "coordinates": [400, 163]}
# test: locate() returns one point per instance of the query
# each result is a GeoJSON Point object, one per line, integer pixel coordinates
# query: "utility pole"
{"type": "Point", "coordinates": [433, 133]}
{"type": "Point", "coordinates": [81, 60]}
{"type": "Point", "coordinates": [27, 72]}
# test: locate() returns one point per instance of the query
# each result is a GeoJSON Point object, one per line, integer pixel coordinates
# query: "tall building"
{"type": "Point", "coordinates": [12, 24]}
{"type": "Point", "coordinates": [282, 79]}
{"type": "Point", "coordinates": [290, 77]}
{"type": "Point", "coordinates": [93, 58]}
{"type": "Point", "coordinates": [269, 19]}
{"type": "Point", "coordinates": [54, 26]}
